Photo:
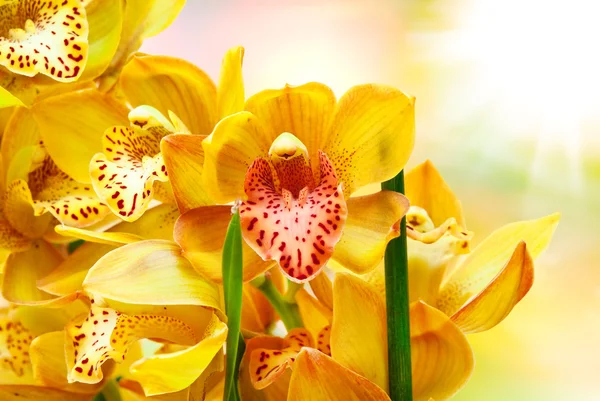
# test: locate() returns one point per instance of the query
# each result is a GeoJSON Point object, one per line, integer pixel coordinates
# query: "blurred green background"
{"type": "Point", "coordinates": [507, 108]}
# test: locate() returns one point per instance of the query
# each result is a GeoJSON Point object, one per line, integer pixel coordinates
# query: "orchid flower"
{"type": "Point", "coordinates": [295, 156]}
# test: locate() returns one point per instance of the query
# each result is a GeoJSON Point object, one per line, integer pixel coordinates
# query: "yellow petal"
{"type": "Point", "coordinates": [150, 272]}
{"type": "Point", "coordinates": [486, 261]}
{"type": "Point", "coordinates": [266, 365]}
{"type": "Point", "coordinates": [277, 390]}
{"type": "Point", "coordinates": [318, 377]}
{"type": "Point", "coordinates": [442, 360]}
{"type": "Point", "coordinates": [21, 132]}
{"type": "Point", "coordinates": [184, 157]}
{"type": "Point", "coordinates": [7, 99]}
{"type": "Point", "coordinates": [10, 239]}
{"type": "Point", "coordinates": [257, 312]}
{"type": "Point", "coordinates": [201, 234]}
{"type": "Point", "coordinates": [314, 315]}
{"type": "Point", "coordinates": [167, 373]}
{"type": "Point", "coordinates": [426, 188]}
{"type": "Point", "coordinates": [105, 18]}
{"type": "Point", "coordinates": [171, 84]}
{"type": "Point", "coordinates": [375, 125]}
{"type": "Point", "coordinates": [108, 238]}
{"type": "Point", "coordinates": [24, 392]}
{"type": "Point", "coordinates": [304, 111]}
{"type": "Point", "coordinates": [229, 151]}
{"type": "Point", "coordinates": [373, 220]}
{"type": "Point", "coordinates": [49, 365]}
{"type": "Point", "coordinates": [23, 269]}
{"type": "Point", "coordinates": [323, 289]}
{"type": "Point", "coordinates": [495, 302]}
{"type": "Point", "coordinates": [14, 341]}
{"type": "Point", "coordinates": [18, 209]}
{"type": "Point", "coordinates": [359, 330]}
{"type": "Point", "coordinates": [71, 142]}
{"type": "Point", "coordinates": [45, 39]}
{"type": "Point", "coordinates": [230, 93]}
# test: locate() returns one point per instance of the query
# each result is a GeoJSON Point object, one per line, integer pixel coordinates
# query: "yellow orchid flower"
{"type": "Point", "coordinates": [296, 156]}
{"type": "Point", "coordinates": [477, 289]}
{"type": "Point", "coordinates": [342, 352]}
{"type": "Point", "coordinates": [122, 162]}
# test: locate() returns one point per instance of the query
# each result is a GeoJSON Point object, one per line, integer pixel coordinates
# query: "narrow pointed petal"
{"type": "Point", "coordinates": [278, 390]}
{"type": "Point", "coordinates": [323, 288]}
{"type": "Point", "coordinates": [18, 209]}
{"type": "Point", "coordinates": [318, 377]}
{"type": "Point", "coordinates": [23, 269]}
{"type": "Point", "coordinates": [229, 151]}
{"type": "Point", "coordinates": [495, 302]}
{"type": "Point", "coordinates": [201, 234]}
{"type": "Point", "coordinates": [105, 18]}
{"type": "Point", "coordinates": [49, 365]}
{"type": "Point", "coordinates": [24, 392]}
{"type": "Point", "coordinates": [61, 55]}
{"type": "Point", "coordinates": [230, 93]}
{"type": "Point", "coordinates": [315, 316]}
{"type": "Point", "coordinates": [107, 334]}
{"type": "Point", "coordinates": [73, 141]}
{"type": "Point", "coordinates": [304, 111]}
{"type": "Point", "coordinates": [267, 365]}
{"type": "Point", "coordinates": [108, 238]}
{"type": "Point", "coordinates": [373, 220]}
{"type": "Point", "coordinates": [375, 125]}
{"type": "Point", "coordinates": [426, 188]}
{"type": "Point", "coordinates": [167, 373]}
{"type": "Point", "coordinates": [172, 84]}
{"type": "Point", "coordinates": [257, 312]}
{"type": "Point", "coordinates": [300, 234]}
{"type": "Point", "coordinates": [486, 261]}
{"type": "Point", "coordinates": [21, 132]}
{"type": "Point", "coordinates": [359, 331]}
{"type": "Point", "coordinates": [150, 272]}
{"type": "Point", "coordinates": [184, 158]}
{"type": "Point", "coordinates": [442, 360]}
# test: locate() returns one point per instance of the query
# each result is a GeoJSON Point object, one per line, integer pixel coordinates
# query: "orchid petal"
{"type": "Point", "coordinates": [230, 93]}
{"type": "Point", "coordinates": [278, 390]}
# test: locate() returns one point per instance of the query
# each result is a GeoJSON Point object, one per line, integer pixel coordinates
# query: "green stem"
{"type": "Point", "coordinates": [110, 392]}
{"type": "Point", "coordinates": [398, 321]}
{"type": "Point", "coordinates": [287, 310]}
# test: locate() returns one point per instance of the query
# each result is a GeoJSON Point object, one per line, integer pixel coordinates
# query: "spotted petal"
{"type": "Point", "coordinates": [266, 365]}
{"type": "Point", "coordinates": [300, 234]}
{"type": "Point", "coordinates": [52, 39]}
{"type": "Point", "coordinates": [15, 340]}
{"type": "Point", "coordinates": [123, 176]}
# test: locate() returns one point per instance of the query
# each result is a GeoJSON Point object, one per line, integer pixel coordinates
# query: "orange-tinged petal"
{"type": "Point", "coordinates": [172, 84]}
{"type": "Point", "coordinates": [486, 261]}
{"type": "Point", "coordinates": [442, 360]}
{"type": "Point", "coordinates": [167, 373]}
{"type": "Point", "coordinates": [277, 390]}
{"type": "Point", "coordinates": [359, 330]}
{"type": "Point", "coordinates": [105, 18]}
{"type": "Point", "coordinates": [30, 392]}
{"type": "Point", "coordinates": [30, 49]}
{"type": "Point", "coordinates": [71, 142]}
{"type": "Point", "coordinates": [304, 111]}
{"type": "Point", "coordinates": [426, 188]}
{"type": "Point", "coordinates": [230, 93]}
{"type": "Point", "coordinates": [49, 365]}
{"type": "Point", "coordinates": [324, 340]}
{"type": "Point", "coordinates": [318, 377]}
{"type": "Point", "coordinates": [257, 312]}
{"type": "Point", "coordinates": [298, 233]}
{"type": "Point", "coordinates": [23, 269]}
{"type": "Point", "coordinates": [267, 365]}
{"type": "Point", "coordinates": [201, 234]}
{"type": "Point", "coordinates": [18, 209]}
{"type": "Point", "coordinates": [323, 288]}
{"type": "Point", "coordinates": [315, 315]}
{"type": "Point", "coordinates": [106, 333]}
{"type": "Point", "coordinates": [371, 135]}
{"type": "Point", "coordinates": [373, 220]}
{"type": "Point", "coordinates": [184, 158]}
{"type": "Point", "coordinates": [151, 272]}
{"type": "Point", "coordinates": [229, 151]}
{"type": "Point", "coordinates": [495, 302]}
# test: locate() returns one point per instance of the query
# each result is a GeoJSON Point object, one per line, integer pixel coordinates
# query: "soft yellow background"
{"type": "Point", "coordinates": [508, 108]}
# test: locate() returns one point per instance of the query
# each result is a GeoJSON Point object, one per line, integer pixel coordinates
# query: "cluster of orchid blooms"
{"type": "Point", "coordinates": [118, 175]}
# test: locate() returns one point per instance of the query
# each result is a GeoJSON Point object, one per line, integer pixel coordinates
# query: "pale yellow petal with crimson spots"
{"type": "Point", "coordinates": [15, 340]}
{"type": "Point", "coordinates": [297, 230]}
{"type": "Point", "coordinates": [373, 220]}
{"type": "Point", "coordinates": [426, 188]}
{"type": "Point", "coordinates": [44, 37]}
{"type": "Point", "coordinates": [371, 135]}
{"type": "Point", "coordinates": [495, 302]}
{"type": "Point", "coordinates": [488, 258]}
{"type": "Point", "coordinates": [319, 377]}
{"type": "Point", "coordinates": [267, 365]}
{"type": "Point", "coordinates": [107, 334]}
